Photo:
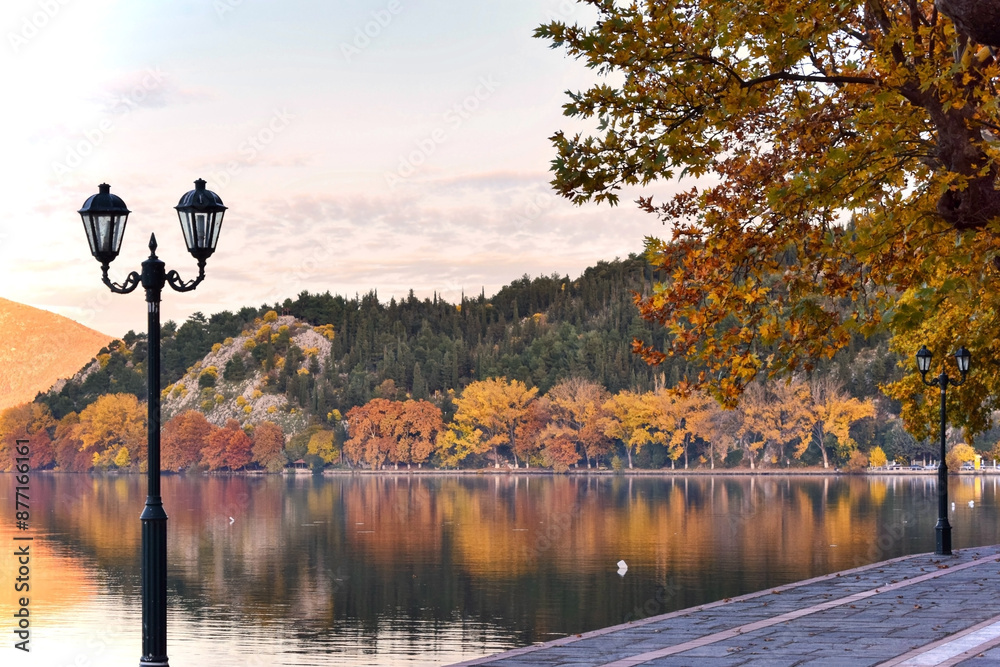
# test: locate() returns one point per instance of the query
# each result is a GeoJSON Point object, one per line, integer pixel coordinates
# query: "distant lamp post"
{"type": "Point", "coordinates": [943, 528]}
{"type": "Point", "coordinates": [104, 218]}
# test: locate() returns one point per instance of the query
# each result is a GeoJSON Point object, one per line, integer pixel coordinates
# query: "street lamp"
{"type": "Point", "coordinates": [943, 528]}
{"type": "Point", "coordinates": [104, 217]}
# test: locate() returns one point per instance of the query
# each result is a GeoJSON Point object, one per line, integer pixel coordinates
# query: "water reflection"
{"type": "Point", "coordinates": [433, 569]}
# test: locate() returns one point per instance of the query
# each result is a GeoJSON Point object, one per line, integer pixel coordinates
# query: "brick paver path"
{"type": "Point", "coordinates": [915, 610]}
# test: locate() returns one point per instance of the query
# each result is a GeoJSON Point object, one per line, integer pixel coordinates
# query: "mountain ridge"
{"type": "Point", "coordinates": [56, 346]}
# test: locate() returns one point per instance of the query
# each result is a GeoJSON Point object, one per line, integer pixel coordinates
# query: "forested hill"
{"type": "Point", "coordinates": [301, 365]}
{"type": "Point", "coordinates": [537, 330]}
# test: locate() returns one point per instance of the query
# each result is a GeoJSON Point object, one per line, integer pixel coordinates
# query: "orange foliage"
{"type": "Point", "coordinates": [269, 446]}
{"type": "Point", "coordinates": [391, 431]}
{"type": "Point", "coordinates": [27, 421]}
{"type": "Point", "coordinates": [182, 440]}
{"type": "Point", "coordinates": [227, 448]}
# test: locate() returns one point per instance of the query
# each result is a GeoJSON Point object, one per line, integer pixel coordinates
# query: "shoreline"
{"type": "Point", "coordinates": [663, 472]}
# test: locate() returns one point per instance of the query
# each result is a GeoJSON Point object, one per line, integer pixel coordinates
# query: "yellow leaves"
{"type": "Point", "coordinates": [876, 457]}
{"type": "Point", "coordinates": [110, 423]}
{"type": "Point", "coordinates": [839, 149]}
{"type": "Point", "coordinates": [321, 444]}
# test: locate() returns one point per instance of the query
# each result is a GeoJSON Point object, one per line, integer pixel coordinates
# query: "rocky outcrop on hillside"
{"type": "Point", "coordinates": [245, 377]}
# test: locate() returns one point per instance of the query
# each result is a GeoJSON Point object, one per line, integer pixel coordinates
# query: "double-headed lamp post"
{"type": "Point", "coordinates": [104, 217]}
{"type": "Point", "coordinates": [943, 528]}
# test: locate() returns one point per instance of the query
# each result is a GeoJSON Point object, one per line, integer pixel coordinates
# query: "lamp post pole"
{"type": "Point", "coordinates": [153, 517]}
{"type": "Point", "coordinates": [943, 528]}
{"type": "Point", "coordinates": [104, 218]}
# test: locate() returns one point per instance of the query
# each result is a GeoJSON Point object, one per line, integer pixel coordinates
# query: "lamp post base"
{"type": "Point", "coordinates": [157, 663]}
{"type": "Point", "coordinates": [943, 530]}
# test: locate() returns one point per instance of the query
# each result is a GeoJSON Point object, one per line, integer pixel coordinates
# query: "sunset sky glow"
{"type": "Point", "coordinates": [372, 144]}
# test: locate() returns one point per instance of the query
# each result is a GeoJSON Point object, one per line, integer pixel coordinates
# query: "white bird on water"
{"type": "Point", "coordinates": [622, 568]}
{"type": "Point", "coordinates": [231, 521]}
{"type": "Point", "coordinates": [972, 503]}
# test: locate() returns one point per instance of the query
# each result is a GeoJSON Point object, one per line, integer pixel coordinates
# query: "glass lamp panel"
{"type": "Point", "coordinates": [105, 233]}
{"type": "Point", "coordinates": [963, 357]}
{"type": "Point", "coordinates": [216, 228]}
{"type": "Point", "coordinates": [201, 229]}
{"type": "Point", "coordinates": [923, 359]}
{"type": "Point", "coordinates": [186, 226]}
{"type": "Point", "coordinates": [118, 225]}
{"type": "Point", "coordinates": [88, 227]}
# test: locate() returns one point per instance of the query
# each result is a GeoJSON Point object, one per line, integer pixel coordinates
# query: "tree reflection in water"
{"type": "Point", "coordinates": [432, 567]}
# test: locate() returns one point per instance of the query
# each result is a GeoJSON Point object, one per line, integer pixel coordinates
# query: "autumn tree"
{"type": "Point", "coordinates": [414, 432]}
{"type": "Point", "coordinates": [537, 434]}
{"type": "Point", "coordinates": [28, 421]}
{"type": "Point", "coordinates": [457, 442]}
{"type": "Point", "coordinates": [67, 446]}
{"type": "Point", "coordinates": [876, 457]}
{"type": "Point", "coordinates": [370, 430]}
{"type": "Point", "coordinates": [577, 411]}
{"type": "Point", "coordinates": [684, 419]}
{"type": "Point", "coordinates": [182, 439]}
{"type": "Point", "coordinates": [493, 408]}
{"type": "Point", "coordinates": [228, 447]}
{"type": "Point", "coordinates": [110, 423]}
{"type": "Point", "coordinates": [774, 417]}
{"type": "Point", "coordinates": [629, 419]}
{"type": "Point", "coordinates": [845, 160]}
{"type": "Point", "coordinates": [959, 454]}
{"type": "Point", "coordinates": [269, 446]}
{"type": "Point", "coordinates": [836, 412]}
{"type": "Point", "coordinates": [323, 446]}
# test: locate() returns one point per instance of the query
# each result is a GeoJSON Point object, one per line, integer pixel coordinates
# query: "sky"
{"type": "Point", "coordinates": [370, 144]}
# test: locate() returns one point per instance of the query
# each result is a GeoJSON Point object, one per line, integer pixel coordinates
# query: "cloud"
{"type": "Point", "coordinates": [151, 88]}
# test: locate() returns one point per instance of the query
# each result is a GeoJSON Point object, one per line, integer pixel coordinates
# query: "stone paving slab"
{"type": "Point", "coordinates": [915, 610]}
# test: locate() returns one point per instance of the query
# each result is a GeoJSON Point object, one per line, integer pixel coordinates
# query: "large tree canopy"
{"type": "Point", "coordinates": [845, 155]}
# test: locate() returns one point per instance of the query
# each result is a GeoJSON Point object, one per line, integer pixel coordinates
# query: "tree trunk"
{"type": "Point", "coordinates": [822, 444]}
{"type": "Point", "coordinates": [629, 452]}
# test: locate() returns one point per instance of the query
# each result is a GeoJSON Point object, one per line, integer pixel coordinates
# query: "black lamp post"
{"type": "Point", "coordinates": [943, 528]}
{"type": "Point", "coordinates": [104, 217]}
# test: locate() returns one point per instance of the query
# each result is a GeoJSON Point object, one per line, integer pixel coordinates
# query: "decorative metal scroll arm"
{"type": "Point", "coordinates": [180, 285]}
{"type": "Point", "coordinates": [131, 281]}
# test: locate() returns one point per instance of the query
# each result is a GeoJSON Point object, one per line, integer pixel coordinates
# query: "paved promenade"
{"type": "Point", "coordinates": [915, 610]}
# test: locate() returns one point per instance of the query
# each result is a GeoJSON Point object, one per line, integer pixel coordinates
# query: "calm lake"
{"type": "Point", "coordinates": [435, 569]}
